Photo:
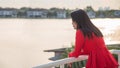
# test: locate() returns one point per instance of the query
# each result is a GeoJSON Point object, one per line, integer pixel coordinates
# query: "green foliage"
{"type": "Point", "coordinates": [89, 8]}
{"type": "Point", "coordinates": [65, 54]}
{"type": "Point", "coordinates": [116, 47]}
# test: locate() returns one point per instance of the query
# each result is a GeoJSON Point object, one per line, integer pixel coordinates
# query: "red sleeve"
{"type": "Point", "coordinates": [79, 40]}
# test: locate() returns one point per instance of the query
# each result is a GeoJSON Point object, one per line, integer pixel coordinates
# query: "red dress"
{"type": "Point", "coordinates": [99, 56]}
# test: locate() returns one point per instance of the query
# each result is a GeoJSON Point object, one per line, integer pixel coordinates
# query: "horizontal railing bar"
{"type": "Point", "coordinates": [115, 51]}
{"type": "Point", "coordinates": [62, 61]}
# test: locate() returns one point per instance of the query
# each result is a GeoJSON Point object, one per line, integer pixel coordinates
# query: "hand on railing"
{"type": "Point", "coordinates": [69, 65]}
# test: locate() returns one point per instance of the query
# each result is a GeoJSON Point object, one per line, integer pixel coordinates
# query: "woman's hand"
{"type": "Point", "coordinates": [69, 65]}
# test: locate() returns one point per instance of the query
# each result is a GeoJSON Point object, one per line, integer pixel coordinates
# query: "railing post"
{"type": "Point", "coordinates": [119, 60]}
{"type": "Point", "coordinates": [62, 66]}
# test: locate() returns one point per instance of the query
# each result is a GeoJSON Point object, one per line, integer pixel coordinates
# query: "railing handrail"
{"type": "Point", "coordinates": [62, 61]}
{"type": "Point", "coordinates": [72, 59]}
{"type": "Point", "coordinates": [113, 51]}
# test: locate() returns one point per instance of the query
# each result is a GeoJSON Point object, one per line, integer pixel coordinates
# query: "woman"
{"type": "Point", "coordinates": [89, 41]}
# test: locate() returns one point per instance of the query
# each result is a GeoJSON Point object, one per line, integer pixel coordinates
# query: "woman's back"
{"type": "Point", "coordinates": [95, 48]}
{"type": "Point", "coordinates": [95, 43]}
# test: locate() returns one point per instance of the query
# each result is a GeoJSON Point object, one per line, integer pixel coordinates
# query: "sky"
{"type": "Point", "coordinates": [71, 4]}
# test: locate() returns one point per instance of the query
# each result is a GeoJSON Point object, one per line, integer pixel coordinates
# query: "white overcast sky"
{"type": "Point", "coordinates": [71, 4]}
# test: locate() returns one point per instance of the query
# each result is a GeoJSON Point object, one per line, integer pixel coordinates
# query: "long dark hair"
{"type": "Point", "coordinates": [84, 24]}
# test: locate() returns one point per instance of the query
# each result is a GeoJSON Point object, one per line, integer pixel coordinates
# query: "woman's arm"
{"type": "Point", "coordinates": [78, 44]}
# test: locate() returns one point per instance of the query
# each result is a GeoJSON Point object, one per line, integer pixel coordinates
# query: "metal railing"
{"type": "Point", "coordinates": [62, 62]}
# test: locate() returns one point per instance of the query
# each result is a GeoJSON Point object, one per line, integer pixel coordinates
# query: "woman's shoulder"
{"type": "Point", "coordinates": [79, 34]}
{"type": "Point", "coordinates": [79, 31]}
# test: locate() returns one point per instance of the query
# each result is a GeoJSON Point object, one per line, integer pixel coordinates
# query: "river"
{"type": "Point", "coordinates": [22, 41]}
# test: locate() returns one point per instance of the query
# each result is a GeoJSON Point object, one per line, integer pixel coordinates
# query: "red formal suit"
{"type": "Point", "coordinates": [99, 56]}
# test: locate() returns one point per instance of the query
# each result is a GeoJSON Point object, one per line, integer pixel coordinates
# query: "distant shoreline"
{"type": "Point", "coordinates": [58, 18]}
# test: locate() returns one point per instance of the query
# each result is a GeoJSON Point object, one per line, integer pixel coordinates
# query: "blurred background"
{"type": "Point", "coordinates": [28, 27]}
